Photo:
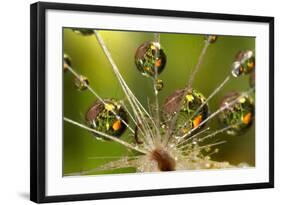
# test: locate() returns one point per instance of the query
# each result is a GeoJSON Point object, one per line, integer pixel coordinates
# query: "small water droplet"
{"type": "Point", "coordinates": [81, 83]}
{"type": "Point", "coordinates": [211, 38]}
{"type": "Point", "coordinates": [159, 84]}
{"type": "Point", "coordinates": [244, 63]}
{"type": "Point", "coordinates": [150, 57]}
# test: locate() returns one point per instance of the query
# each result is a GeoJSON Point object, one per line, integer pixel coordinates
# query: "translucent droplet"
{"type": "Point", "coordinates": [244, 63]}
{"type": "Point", "coordinates": [159, 84]}
{"type": "Point", "coordinates": [150, 57]}
{"type": "Point", "coordinates": [81, 83]}
{"type": "Point", "coordinates": [211, 38]}
{"type": "Point", "coordinates": [66, 62]}
{"type": "Point", "coordinates": [239, 114]}
{"type": "Point", "coordinates": [83, 31]}
{"type": "Point", "coordinates": [102, 118]}
{"type": "Point", "coordinates": [190, 116]}
{"type": "Point", "coordinates": [237, 69]}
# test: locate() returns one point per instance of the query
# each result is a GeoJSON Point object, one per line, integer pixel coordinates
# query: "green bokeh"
{"type": "Point", "coordinates": [182, 50]}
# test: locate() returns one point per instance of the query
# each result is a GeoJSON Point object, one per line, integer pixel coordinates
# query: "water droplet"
{"type": "Point", "coordinates": [150, 57]}
{"type": "Point", "coordinates": [211, 38]}
{"type": "Point", "coordinates": [190, 115]}
{"type": "Point", "coordinates": [83, 31]}
{"type": "Point", "coordinates": [244, 63]}
{"type": "Point", "coordinates": [66, 62]}
{"type": "Point", "coordinates": [239, 114]}
{"type": "Point", "coordinates": [102, 118]}
{"type": "Point", "coordinates": [159, 84]}
{"type": "Point", "coordinates": [81, 83]}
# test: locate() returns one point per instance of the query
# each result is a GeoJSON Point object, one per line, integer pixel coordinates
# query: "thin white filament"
{"type": "Point", "coordinates": [106, 136]}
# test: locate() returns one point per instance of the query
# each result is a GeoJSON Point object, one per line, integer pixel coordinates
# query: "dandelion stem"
{"type": "Point", "coordinates": [182, 143]}
{"type": "Point", "coordinates": [200, 60]}
{"type": "Point", "coordinates": [216, 132]}
{"type": "Point", "coordinates": [213, 144]}
{"type": "Point", "coordinates": [190, 81]}
{"type": "Point", "coordinates": [157, 40]}
{"type": "Point", "coordinates": [126, 144]}
{"type": "Point", "coordinates": [135, 104]}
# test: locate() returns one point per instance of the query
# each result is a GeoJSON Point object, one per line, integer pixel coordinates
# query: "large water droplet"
{"type": "Point", "coordinates": [192, 112]}
{"type": "Point", "coordinates": [239, 112]}
{"type": "Point", "coordinates": [150, 58]}
{"type": "Point", "coordinates": [108, 118]}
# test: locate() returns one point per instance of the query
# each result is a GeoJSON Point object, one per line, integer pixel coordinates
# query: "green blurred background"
{"type": "Point", "coordinates": [81, 150]}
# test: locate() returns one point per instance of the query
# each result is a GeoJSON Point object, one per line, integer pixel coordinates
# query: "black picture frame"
{"type": "Point", "coordinates": [38, 103]}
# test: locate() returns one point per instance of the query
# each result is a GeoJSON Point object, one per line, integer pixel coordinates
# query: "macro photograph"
{"type": "Point", "coordinates": [137, 102]}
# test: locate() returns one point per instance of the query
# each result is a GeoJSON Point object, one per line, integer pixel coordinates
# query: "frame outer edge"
{"type": "Point", "coordinates": [37, 103]}
{"type": "Point", "coordinates": [38, 96]}
{"type": "Point", "coordinates": [271, 102]}
{"type": "Point", "coordinates": [33, 103]}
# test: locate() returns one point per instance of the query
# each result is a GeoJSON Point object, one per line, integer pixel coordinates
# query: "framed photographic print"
{"type": "Point", "coordinates": [129, 102]}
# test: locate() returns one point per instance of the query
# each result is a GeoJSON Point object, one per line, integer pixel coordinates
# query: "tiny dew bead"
{"type": "Point", "coordinates": [81, 82]}
{"type": "Point", "coordinates": [211, 38]}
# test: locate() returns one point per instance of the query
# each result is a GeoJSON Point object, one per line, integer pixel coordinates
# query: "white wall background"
{"type": "Point", "coordinates": [14, 100]}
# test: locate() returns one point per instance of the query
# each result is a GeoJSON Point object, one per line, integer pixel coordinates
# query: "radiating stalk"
{"type": "Point", "coordinates": [216, 132]}
{"type": "Point", "coordinates": [211, 145]}
{"type": "Point", "coordinates": [188, 86]}
{"type": "Point", "coordinates": [126, 144]}
{"type": "Point", "coordinates": [130, 96]}
{"type": "Point", "coordinates": [182, 143]}
{"type": "Point", "coordinates": [158, 137]}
